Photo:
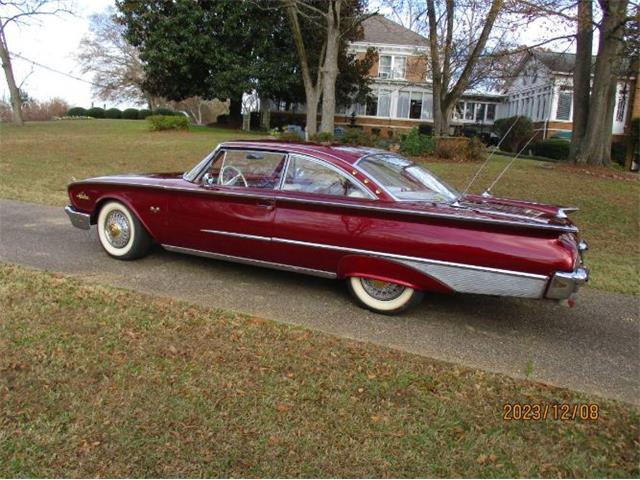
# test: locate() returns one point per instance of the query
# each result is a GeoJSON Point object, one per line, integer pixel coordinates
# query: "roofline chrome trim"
{"type": "Point", "coordinates": [251, 261]}
{"type": "Point", "coordinates": [374, 253]}
{"type": "Point", "coordinates": [308, 200]}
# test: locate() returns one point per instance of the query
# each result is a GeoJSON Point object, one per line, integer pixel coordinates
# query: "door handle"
{"type": "Point", "coordinates": [266, 204]}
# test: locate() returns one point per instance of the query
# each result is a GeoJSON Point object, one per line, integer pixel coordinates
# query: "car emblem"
{"type": "Point", "coordinates": [82, 196]}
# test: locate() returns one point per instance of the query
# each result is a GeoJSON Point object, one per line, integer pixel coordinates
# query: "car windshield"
{"type": "Point", "coordinates": [406, 180]}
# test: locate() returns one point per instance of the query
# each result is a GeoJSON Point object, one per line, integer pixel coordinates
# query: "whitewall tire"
{"type": "Point", "coordinates": [120, 232]}
{"type": "Point", "coordinates": [383, 297]}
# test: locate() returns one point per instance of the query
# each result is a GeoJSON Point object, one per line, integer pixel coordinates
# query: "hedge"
{"type": "Point", "coordinates": [130, 114]}
{"type": "Point", "coordinates": [415, 143]}
{"type": "Point", "coordinates": [520, 131]}
{"type": "Point", "coordinates": [113, 113]}
{"type": "Point", "coordinates": [144, 113]}
{"type": "Point", "coordinates": [77, 112]}
{"type": "Point", "coordinates": [95, 112]}
{"type": "Point", "coordinates": [553, 148]}
{"type": "Point", "coordinates": [168, 122]}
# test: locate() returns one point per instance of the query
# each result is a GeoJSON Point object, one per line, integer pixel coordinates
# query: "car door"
{"type": "Point", "coordinates": [230, 208]}
{"type": "Point", "coordinates": [318, 206]}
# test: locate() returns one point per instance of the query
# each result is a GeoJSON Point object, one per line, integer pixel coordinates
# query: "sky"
{"type": "Point", "coordinates": [53, 42]}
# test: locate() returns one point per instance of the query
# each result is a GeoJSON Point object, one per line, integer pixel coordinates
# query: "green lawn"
{"type": "Point", "coordinates": [100, 382]}
{"type": "Point", "coordinates": [38, 161]}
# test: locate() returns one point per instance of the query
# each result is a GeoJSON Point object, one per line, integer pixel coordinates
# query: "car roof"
{"type": "Point", "coordinates": [347, 154]}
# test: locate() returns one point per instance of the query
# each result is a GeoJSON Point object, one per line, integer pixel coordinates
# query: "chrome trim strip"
{"type": "Point", "coordinates": [355, 205]}
{"type": "Point", "coordinates": [238, 235]}
{"type": "Point", "coordinates": [412, 259]}
{"type": "Point", "coordinates": [78, 219]}
{"type": "Point", "coordinates": [250, 261]}
{"type": "Point", "coordinates": [564, 285]}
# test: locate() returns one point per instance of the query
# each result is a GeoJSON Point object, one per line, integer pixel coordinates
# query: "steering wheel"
{"type": "Point", "coordinates": [234, 179]}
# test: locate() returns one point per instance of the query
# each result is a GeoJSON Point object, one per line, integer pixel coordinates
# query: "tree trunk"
{"type": "Point", "coordinates": [14, 91]}
{"type": "Point", "coordinates": [436, 70]}
{"type": "Point", "coordinates": [312, 97]}
{"type": "Point", "coordinates": [330, 67]}
{"type": "Point", "coordinates": [265, 114]}
{"type": "Point", "coordinates": [582, 76]}
{"type": "Point", "coordinates": [596, 146]}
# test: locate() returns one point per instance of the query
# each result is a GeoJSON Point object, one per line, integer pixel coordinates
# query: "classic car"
{"type": "Point", "coordinates": [385, 224]}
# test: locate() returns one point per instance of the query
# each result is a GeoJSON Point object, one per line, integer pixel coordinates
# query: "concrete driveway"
{"type": "Point", "coordinates": [594, 347]}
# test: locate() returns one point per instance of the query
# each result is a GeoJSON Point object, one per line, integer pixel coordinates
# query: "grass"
{"type": "Point", "coordinates": [40, 159]}
{"type": "Point", "coordinates": [100, 382]}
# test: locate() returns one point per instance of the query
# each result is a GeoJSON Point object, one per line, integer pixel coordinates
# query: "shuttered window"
{"type": "Point", "coordinates": [564, 106]}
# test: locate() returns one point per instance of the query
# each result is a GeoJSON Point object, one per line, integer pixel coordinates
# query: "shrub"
{"type": "Point", "coordinates": [77, 112]}
{"type": "Point", "coordinates": [168, 122]}
{"type": "Point", "coordinates": [452, 148]}
{"type": "Point", "coordinates": [518, 136]}
{"type": "Point", "coordinates": [290, 136]}
{"type": "Point", "coordinates": [113, 113]}
{"type": "Point", "coordinates": [357, 136]}
{"type": "Point", "coordinates": [554, 148]}
{"type": "Point", "coordinates": [416, 143]}
{"type": "Point", "coordinates": [95, 112]}
{"type": "Point", "coordinates": [130, 114]}
{"type": "Point", "coordinates": [144, 113]}
{"type": "Point", "coordinates": [321, 137]}
{"type": "Point", "coordinates": [167, 112]}
{"type": "Point", "coordinates": [476, 150]}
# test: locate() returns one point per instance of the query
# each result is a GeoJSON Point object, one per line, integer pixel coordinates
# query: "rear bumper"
{"type": "Point", "coordinates": [564, 285]}
{"type": "Point", "coordinates": [78, 219]}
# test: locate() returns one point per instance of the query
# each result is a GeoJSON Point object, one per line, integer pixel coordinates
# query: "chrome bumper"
{"type": "Point", "coordinates": [564, 285]}
{"type": "Point", "coordinates": [78, 219]}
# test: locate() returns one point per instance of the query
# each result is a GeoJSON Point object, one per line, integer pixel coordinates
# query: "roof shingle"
{"type": "Point", "coordinates": [379, 29]}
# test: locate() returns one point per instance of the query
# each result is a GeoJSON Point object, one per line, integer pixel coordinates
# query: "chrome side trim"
{"type": "Point", "coordinates": [238, 235]}
{"type": "Point", "coordinates": [355, 205]}
{"type": "Point", "coordinates": [251, 261]}
{"type": "Point", "coordinates": [78, 219]}
{"type": "Point", "coordinates": [396, 256]}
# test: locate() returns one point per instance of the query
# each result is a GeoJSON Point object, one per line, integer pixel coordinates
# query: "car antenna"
{"type": "Point", "coordinates": [475, 177]}
{"type": "Point", "coordinates": [487, 192]}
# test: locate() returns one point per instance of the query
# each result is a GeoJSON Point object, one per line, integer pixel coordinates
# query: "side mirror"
{"type": "Point", "coordinates": [208, 180]}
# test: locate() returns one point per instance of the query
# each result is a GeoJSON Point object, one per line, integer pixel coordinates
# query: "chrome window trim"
{"type": "Point", "coordinates": [251, 261]}
{"type": "Point", "coordinates": [351, 178]}
{"type": "Point", "coordinates": [355, 205]}
{"type": "Point", "coordinates": [374, 253]}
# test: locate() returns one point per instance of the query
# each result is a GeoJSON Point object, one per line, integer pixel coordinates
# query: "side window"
{"type": "Point", "coordinates": [249, 169]}
{"type": "Point", "coordinates": [309, 176]}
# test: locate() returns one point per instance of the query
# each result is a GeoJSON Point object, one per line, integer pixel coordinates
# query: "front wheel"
{"type": "Point", "coordinates": [121, 234]}
{"type": "Point", "coordinates": [383, 297]}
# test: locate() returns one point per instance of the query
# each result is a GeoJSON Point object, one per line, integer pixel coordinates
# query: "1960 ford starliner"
{"type": "Point", "coordinates": [385, 224]}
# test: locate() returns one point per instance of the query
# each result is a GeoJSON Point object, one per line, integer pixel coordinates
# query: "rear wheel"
{"type": "Point", "coordinates": [120, 232]}
{"type": "Point", "coordinates": [383, 297]}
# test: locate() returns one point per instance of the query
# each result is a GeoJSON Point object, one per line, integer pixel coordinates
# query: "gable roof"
{"type": "Point", "coordinates": [562, 62]}
{"type": "Point", "coordinates": [379, 29]}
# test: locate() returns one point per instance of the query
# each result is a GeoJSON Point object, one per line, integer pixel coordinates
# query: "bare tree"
{"type": "Point", "coordinates": [20, 12]}
{"type": "Point", "coordinates": [118, 72]}
{"type": "Point", "coordinates": [592, 120]}
{"type": "Point", "coordinates": [335, 20]}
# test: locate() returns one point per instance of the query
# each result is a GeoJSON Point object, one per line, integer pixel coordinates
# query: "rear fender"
{"type": "Point", "coordinates": [388, 271]}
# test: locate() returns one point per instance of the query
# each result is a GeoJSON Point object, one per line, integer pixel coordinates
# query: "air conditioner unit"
{"type": "Point", "coordinates": [384, 75]}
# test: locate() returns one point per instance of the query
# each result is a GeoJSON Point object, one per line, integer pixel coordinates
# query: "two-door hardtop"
{"type": "Point", "coordinates": [386, 224]}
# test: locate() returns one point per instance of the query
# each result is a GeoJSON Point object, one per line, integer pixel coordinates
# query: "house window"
{"type": "Point", "coordinates": [384, 103]}
{"type": "Point", "coordinates": [427, 106]}
{"type": "Point", "coordinates": [458, 111]}
{"type": "Point", "coordinates": [402, 110]}
{"type": "Point", "coordinates": [415, 106]}
{"type": "Point", "coordinates": [392, 67]}
{"type": "Point", "coordinates": [480, 112]}
{"type": "Point", "coordinates": [491, 112]}
{"type": "Point", "coordinates": [564, 106]}
{"type": "Point", "coordinates": [384, 66]}
{"type": "Point", "coordinates": [399, 67]}
{"type": "Point", "coordinates": [622, 103]}
{"type": "Point", "coordinates": [468, 114]}
{"type": "Point", "coordinates": [372, 105]}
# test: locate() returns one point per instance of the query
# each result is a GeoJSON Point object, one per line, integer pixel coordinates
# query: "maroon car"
{"type": "Point", "coordinates": [387, 225]}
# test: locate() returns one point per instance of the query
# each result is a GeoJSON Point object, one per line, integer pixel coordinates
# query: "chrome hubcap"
{"type": "Point", "coordinates": [380, 290]}
{"type": "Point", "coordinates": [116, 228]}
